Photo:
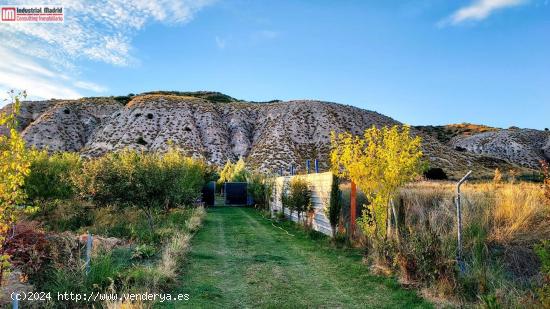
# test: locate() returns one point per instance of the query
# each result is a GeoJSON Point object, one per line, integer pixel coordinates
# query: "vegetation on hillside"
{"type": "Point", "coordinates": [207, 95]}
{"type": "Point", "coordinates": [445, 133]}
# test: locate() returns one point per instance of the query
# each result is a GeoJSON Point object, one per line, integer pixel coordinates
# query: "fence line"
{"type": "Point", "coordinates": [320, 186]}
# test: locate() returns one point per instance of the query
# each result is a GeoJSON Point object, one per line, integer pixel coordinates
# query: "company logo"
{"type": "Point", "coordinates": [8, 14]}
{"type": "Point", "coordinates": [33, 14]}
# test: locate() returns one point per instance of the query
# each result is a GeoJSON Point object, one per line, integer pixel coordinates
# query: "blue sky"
{"type": "Point", "coordinates": [420, 62]}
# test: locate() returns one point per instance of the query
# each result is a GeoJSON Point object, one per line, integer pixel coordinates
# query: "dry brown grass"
{"type": "Point", "coordinates": [501, 225]}
{"type": "Point", "coordinates": [176, 249]}
{"type": "Point", "coordinates": [520, 215]}
{"type": "Point", "coordinates": [172, 256]}
{"type": "Point", "coordinates": [195, 221]}
{"type": "Point", "coordinates": [515, 214]}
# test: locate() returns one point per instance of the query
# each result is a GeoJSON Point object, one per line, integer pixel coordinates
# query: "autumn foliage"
{"type": "Point", "coordinates": [379, 162]}
{"type": "Point", "coordinates": [15, 164]}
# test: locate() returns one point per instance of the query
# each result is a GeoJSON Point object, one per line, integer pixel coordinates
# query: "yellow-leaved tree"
{"type": "Point", "coordinates": [379, 162]}
{"type": "Point", "coordinates": [233, 172]}
{"type": "Point", "coordinates": [15, 162]}
{"type": "Point", "coordinates": [226, 173]}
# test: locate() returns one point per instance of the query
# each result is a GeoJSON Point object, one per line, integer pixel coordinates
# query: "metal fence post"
{"type": "Point", "coordinates": [308, 166]}
{"type": "Point", "coordinates": [15, 301]}
{"type": "Point", "coordinates": [89, 243]}
{"type": "Point", "coordinates": [316, 166]}
{"type": "Point", "coordinates": [459, 221]}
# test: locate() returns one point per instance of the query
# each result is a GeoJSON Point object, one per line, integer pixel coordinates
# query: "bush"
{"type": "Point", "coordinates": [15, 161]}
{"type": "Point", "coordinates": [543, 252]}
{"type": "Point", "coordinates": [64, 215]}
{"type": "Point", "coordinates": [422, 259]}
{"type": "Point", "coordinates": [334, 207]}
{"type": "Point", "coordinates": [143, 251]}
{"type": "Point", "coordinates": [299, 196]}
{"type": "Point", "coordinates": [50, 176]}
{"type": "Point", "coordinates": [149, 181]}
{"type": "Point", "coordinates": [435, 173]}
{"type": "Point", "coordinates": [27, 247]}
{"type": "Point", "coordinates": [260, 187]}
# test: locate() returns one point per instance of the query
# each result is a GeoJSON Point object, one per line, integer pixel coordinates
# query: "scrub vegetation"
{"type": "Point", "coordinates": [408, 227]}
{"type": "Point", "coordinates": [141, 208]}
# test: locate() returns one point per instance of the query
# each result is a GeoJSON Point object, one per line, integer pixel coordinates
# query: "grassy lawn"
{"type": "Point", "coordinates": [240, 259]}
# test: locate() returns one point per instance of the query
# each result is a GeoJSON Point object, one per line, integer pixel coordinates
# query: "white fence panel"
{"type": "Point", "coordinates": [319, 185]}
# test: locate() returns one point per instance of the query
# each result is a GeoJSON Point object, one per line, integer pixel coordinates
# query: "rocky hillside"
{"type": "Point", "coordinates": [216, 127]}
{"type": "Point", "coordinates": [524, 147]}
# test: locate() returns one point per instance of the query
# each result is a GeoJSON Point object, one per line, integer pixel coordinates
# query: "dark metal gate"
{"type": "Point", "coordinates": [236, 193]}
{"type": "Point", "coordinates": [208, 193]}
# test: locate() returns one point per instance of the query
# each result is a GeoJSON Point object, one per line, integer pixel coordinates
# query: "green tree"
{"type": "Point", "coordinates": [50, 175]}
{"type": "Point", "coordinates": [150, 181]}
{"type": "Point", "coordinates": [334, 206]}
{"type": "Point", "coordinates": [15, 162]}
{"type": "Point", "coordinates": [260, 187]}
{"type": "Point", "coordinates": [300, 196]}
{"type": "Point", "coordinates": [379, 162]}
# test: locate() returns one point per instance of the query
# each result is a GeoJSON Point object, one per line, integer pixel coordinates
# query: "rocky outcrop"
{"type": "Point", "coordinates": [525, 147]}
{"type": "Point", "coordinates": [68, 125]}
{"type": "Point", "coordinates": [270, 135]}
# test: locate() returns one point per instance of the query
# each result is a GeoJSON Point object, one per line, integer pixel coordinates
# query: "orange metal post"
{"type": "Point", "coordinates": [353, 208]}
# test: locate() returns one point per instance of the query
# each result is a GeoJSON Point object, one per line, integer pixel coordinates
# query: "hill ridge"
{"type": "Point", "coordinates": [210, 125]}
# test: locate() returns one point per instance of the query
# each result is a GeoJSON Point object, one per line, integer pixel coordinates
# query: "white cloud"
{"type": "Point", "coordinates": [21, 73]}
{"type": "Point", "coordinates": [100, 31]}
{"type": "Point", "coordinates": [90, 86]}
{"type": "Point", "coordinates": [479, 10]}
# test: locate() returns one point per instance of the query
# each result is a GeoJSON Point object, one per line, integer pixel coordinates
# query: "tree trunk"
{"type": "Point", "coordinates": [395, 220]}
{"type": "Point", "coordinates": [388, 222]}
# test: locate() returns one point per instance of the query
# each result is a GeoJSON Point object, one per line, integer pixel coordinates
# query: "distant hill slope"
{"type": "Point", "coordinates": [524, 147]}
{"type": "Point", "coordinates": [269, 135]}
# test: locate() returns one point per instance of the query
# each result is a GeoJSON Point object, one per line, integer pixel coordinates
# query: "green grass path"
{"type": "Point", "coordinates": [240, 259]}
